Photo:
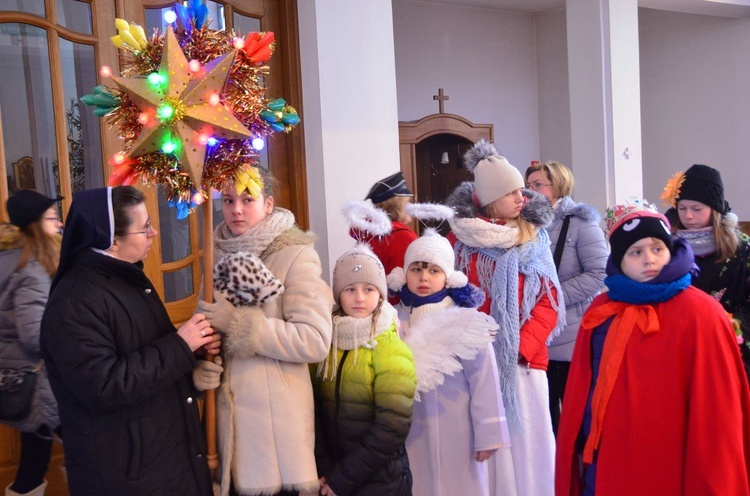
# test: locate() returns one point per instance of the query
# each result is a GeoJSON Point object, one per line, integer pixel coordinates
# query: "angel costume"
{"type": "Point", "coordinates": [459, 409]}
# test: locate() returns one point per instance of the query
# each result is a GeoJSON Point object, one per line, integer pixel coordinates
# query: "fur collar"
{"type": "Point", "coordinates": [293, 237]}
{"type": "Point", "coordinates": [581, 210]}
{"type": "Point", "coordinates": [10, 237]}
{"type": "Point", "coordinates": [472, 229]}
{"type": "Point", "coordinates": [537, 209]}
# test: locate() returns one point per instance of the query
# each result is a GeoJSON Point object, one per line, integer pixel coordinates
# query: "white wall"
{"type": "Point", "coordinates": [695, 100]}
{"type": "Point", "coordinates": [350, 115]}
{"type": "Point", "coordinates": [484, 59]}
{"type": "Point", "coordinates": [554, 97]}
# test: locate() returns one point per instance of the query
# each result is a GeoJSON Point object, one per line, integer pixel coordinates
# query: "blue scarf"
{"type": "Point", "coordinates": [409, 299]}
{"type": "Point", "coordinates": [674, 277]}
{"type": "Point", "coordinates": [498, 270]}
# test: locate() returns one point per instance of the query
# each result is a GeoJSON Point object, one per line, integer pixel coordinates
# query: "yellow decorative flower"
{"type": "Point", "coordinates": [672, 189]}
{"type": "Point", "coordinates": [249, 178]}
{"type": "Point", "coordinates": [129, 36]}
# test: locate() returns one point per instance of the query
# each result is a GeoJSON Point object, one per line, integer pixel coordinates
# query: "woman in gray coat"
{"type": "Point", "coordinates": [29, 253]}
{"type": "Point", "coordinates": [580, 261]}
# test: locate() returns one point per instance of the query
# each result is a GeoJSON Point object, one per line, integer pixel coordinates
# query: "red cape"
{"type": "Point", "coordinates": [678, 420]}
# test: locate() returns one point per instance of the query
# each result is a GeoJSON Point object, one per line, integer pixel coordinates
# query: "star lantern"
{"type": "Point", "coordinates": [181, 109]}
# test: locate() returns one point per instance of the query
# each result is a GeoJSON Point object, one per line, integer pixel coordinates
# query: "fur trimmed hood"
{"type": "Point", "coordinates": [581, 210]}
{"type": "Point", "coordinates": [536, 210]}
{"type": "Point", "coordinates": [10, 237]}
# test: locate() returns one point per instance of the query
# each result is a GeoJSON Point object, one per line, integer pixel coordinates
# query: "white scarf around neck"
{"type": "Point", "coordinates": [351, 333]}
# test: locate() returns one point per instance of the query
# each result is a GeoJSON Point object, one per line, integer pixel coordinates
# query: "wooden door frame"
{"type": "Point", "coordinates": [411, 133]}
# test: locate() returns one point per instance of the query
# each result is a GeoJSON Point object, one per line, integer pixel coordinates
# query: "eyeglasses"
{"type": "Point", "coordinates": [53, 219]}
{"type": "Point", "coordinates": [148, 227]}
{"type": "Point", "coordinates": [537, 185]}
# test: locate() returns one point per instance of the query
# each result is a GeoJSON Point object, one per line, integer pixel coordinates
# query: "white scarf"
{"type": "Point", "coordinates": [256, 239]}
{"type": "Point", "coordinates": [351, 333]}
{"type": "Point", "coordinates": [480, 233]}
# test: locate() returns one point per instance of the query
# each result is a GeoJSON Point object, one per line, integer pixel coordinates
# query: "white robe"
{"type": "Point", "coordinates": [464, 413]}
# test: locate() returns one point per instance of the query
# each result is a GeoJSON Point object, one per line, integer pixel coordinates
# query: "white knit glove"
{"type": "Point", "coordinates": [207, 375]}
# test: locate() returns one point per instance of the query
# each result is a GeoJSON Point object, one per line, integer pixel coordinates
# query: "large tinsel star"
{"type": "Point", "coordinates": [185, 105]}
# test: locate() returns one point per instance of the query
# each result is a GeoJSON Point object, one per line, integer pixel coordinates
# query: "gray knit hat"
{"type": "Point", "coordinates": [494, 176]}
{"type": "Point", "coordinates": [359, 265]}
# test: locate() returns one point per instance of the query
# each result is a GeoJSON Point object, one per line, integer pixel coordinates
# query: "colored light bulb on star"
{"type": "Point", "coordinates": [168, 147]}
{"type": "Point", "coordinates": [165, 111]}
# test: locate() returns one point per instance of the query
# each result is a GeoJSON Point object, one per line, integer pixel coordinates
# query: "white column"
{"type": "Point", "coordinates": [350, 110]}
{"type": "Point", "coordinates": [604, 75]}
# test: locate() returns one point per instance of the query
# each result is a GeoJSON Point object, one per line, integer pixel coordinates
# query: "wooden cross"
{"type": "Point", "coordinates": [441, 98]}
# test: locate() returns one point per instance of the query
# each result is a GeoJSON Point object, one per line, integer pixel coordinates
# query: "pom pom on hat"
{"type": "Point", "coordinates": [432, 248]}
{"type": "Point", "coordinates": [632, 221]}
{"type": "Point", "coordinates": [358, 265]}
{"type": "Point", "coordinates": [494, 176]}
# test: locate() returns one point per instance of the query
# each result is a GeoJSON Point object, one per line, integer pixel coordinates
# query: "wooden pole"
{"type": "Point", "coordinates": [209, 407]}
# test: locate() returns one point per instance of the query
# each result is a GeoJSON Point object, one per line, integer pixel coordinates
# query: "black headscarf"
{"type": "Point", "coordinates": [90, 224]}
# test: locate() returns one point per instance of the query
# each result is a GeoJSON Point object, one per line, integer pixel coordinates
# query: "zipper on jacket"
{"type": "Point", "coordinates": [337, 399]}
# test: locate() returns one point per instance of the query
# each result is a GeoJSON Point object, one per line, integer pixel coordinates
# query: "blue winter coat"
{"type": "Point", "coordinates": [581, 271]}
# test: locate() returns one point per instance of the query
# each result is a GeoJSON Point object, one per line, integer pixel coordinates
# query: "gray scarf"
{"type": "Point", "coordinates": [700, 240]}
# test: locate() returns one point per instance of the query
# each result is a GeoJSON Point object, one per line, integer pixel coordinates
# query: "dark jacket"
{"type": "Point", "coordinates": [122, 379]}
{"type": "Point", "coordinates": [362, 418]}
{"type": "Point", "coordinates": [729, 283]}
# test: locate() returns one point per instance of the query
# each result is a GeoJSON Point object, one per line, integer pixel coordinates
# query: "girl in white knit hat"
{"type": "Point", "coordinates": [364, 390]}
{"type": "Point", "coordinates": [459, 419]}
{"type": "Point", "coordinates": [501, 244]}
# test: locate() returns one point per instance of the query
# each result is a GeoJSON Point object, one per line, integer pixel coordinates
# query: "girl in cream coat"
{"type": "Point", "coordinates": [265, 408]}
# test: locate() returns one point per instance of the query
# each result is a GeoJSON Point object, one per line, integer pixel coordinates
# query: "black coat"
{"type": "Point", "coordinates": [122, 379]}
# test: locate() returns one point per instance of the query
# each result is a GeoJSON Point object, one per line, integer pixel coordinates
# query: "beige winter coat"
{"type": "Point", "coordinates": [265, 409]}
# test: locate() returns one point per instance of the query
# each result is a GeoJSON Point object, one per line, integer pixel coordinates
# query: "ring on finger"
{"type": "Point", "coordinates": [203, 333]}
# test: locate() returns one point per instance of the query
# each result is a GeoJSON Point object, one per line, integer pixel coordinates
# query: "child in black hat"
{"type": "Point", "coordinates": [704, 219]}
{"type": "Point", "coordinates": [391, 195]}
{"type": "Point", "coordinates": [656, 400]}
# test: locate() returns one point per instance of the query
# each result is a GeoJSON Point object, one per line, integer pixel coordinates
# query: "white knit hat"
{"type": "Point", "coordinates": [494, 176]}
{"type": "Point", "coordinates": [358, 265]}
{"type": "Point", "coordinates": [432, 248]}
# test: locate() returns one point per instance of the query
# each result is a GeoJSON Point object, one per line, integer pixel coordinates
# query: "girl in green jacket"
{"type": "Point", "coordinates": [364, 390]}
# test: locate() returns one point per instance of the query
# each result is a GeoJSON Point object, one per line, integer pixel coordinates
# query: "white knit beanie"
{"type": "Point", "coordinates": [494, 176]}
{"type": "Point", "coordinates": [432, 248]}
{"type": "Point", "coordinates": [359, 265]}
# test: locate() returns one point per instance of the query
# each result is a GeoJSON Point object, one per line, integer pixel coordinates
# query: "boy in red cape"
{"type": "Point", "coordinates": [657, 401]}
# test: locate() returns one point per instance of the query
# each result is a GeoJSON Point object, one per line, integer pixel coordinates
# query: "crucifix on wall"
{"type": "Point", "coordinates": [441, 98]}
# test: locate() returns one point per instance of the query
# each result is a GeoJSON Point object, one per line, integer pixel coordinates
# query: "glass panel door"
{"type": "Point", "coordinates": [26, 103]}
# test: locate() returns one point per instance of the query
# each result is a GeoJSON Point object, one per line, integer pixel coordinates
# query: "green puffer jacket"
{"type": "Point", "coordinates": [363, 416]}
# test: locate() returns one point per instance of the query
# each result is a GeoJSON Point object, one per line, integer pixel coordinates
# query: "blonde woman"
{"type": "Point", "coordinates": [580, 254]}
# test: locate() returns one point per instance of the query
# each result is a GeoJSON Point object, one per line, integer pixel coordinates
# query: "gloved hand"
{"type": "Point", "coordinates": [219, 314]}
{"type": "Point", "coordinates": [207, 375]}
